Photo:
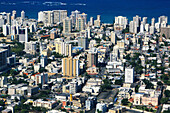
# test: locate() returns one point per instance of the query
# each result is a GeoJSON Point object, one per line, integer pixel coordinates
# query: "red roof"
{"type": "Point", "coordinates": [35, 74]}
{"type": "Point", "coordinates": [46, 36]}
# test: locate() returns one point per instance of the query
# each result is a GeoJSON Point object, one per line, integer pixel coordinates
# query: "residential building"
{"type": "Point", "coordinates": [97, 22]}
{"type": "Point", "coordinates": [80, 23]}
{"type": "Point", "coordinates": [82, 42]}
{"type": "Point", "coordinates": [67, 25]}
{"type": "Point", "coordinates": [43, 61]}
{"type": "Point", "coordinates": [30, 47]}
{"type": "Point", "coordinates": [70, 67]}
{"type": "Point", "coordinates": [41, 78]}
{"type": "Point", "coordinates": [52, 17]}
{"type": "Point", "coordinates": [92, 57]}
{"type": "Point", "coordinates": [113, 37]}
{"type": "Point", "coordinates": [121, 21]}
{"type": "Point", "coordinates": [46, 104]}
{"type": "Point", "coordinates": [129, 75]}
{"type": "Point", "coordinates": [3, 58]}
{"type": "Point", "coordinates": [90, 103]}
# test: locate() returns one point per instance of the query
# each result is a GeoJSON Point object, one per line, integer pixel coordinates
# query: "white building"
{"type": "Point", "coordinates": [23, 35]}
{"type": "Point", "coordinates": [6, 30]}
{"type": "Point", "coordinates": [101, 107]}
{"type": "Point", "coordinates": [129, 75]}
{"type": "Point", "coordinates": [113, 37]}
{"type": "Point", "coordinates": [43, 61]}
{"type": "Point", "coordinates": [52, 17]}
{"type": "Point", "coordinates": [22, 15]}
{"type": "Point", "coordinates": [30, 47]}
{"type": "Point", "coordinates": [121, 21]}
{"type": "Point", "coordinates": [45, 104]}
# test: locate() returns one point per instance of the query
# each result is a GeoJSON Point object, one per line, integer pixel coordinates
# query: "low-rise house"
{"type": "Point", "coordinates": [45, 104]}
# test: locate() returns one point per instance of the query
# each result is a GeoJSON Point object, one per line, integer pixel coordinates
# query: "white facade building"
{"type": "Point", "coordinates": [129, 75]}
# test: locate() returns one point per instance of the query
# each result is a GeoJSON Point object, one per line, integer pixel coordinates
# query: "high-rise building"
{"type": "Point", "coordinates": [82, 42]}
{"type": "Point", "coordinates": [80, 23]}
{"type": "Point", "coordinates": [67, 25]}
{"type": "Point", "coordinates": [137, 19]}
{"type": "Point", "coordinates": [59, 16]}
{"type": "Point", "coordinates": [91, 21]}
{"type": "Point", "coordinates": [40, 16]}
{"type": "Point", "coordinates": [5, 19]}
{"type": "Point", "coordinates": [113, 38]}
{"type": "Point", "coordinates": [43, 61]}
{"type": "Point", "coordinates": [121, 21]}
{"type": "Point", "coordinates": [153, 22]}
{"type": "Point", "coordinates": [3, 81]}
{"type": "Point", "coordinates": [74, 16]}
{"type": "Point", "coordinates": [33, 27]}
{"type": "Point", "coordinates": [52, 17]}
{"type": "Point", "coordinates": [67, 49]}
{"type": "Point", "coordinates": [147, 26]}
{"type": "Point", "coordinates": [23, 35]}
{"type": "Point", "coordinates": [163, 19]}
{"type": "Point", "coordinates": [73, 87]}
{"type": "Point", "coordinates": [97, 22]}
{"type": "Point", "coordinates": [92, 57]}
{"type": "Point", "coordinates": [135, 24]}
{"type": "Point", "coordinates": [163, 24]}
{"type": "Point", "coordinates": [70, 66]}
{"type": "Point", "coordinates": [131, 27]}
{"type": "Point", "coordinates": [3, 58]}
{"type": "Point", "coordinates": [6, 30]}
{"type": "Point", "coordinates": [64, 48]}
{"type": "Point", "coordinates": [13, 30]}
{"type": "Point", "coordinates": [142, 27]}
{"type": "Point", "coordinates": [166, 32]}
{"type": "Point", "coordinates": [30, 47]}
{"type": "Point", "coordinates": [144, 20]}
{"type": "Point", "coordinates": [83, 15]}
{"type": "Point", "coordinates": [22, 15]}
{"type": "Point", "coordinates": [14, 13]}
{"type": "Point", "coordinates": [6, 47]}
{"type": "Point", "coordinates": [90, 102]}
{"type": "Point", "coordinates": [152, 29]}
{"type": "Point", "coordinates": [129, 75]}
{"type": "Point", "coordinates": [41, 78]}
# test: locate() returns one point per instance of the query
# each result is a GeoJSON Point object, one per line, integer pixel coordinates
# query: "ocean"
{"type": "Point", "coordinates": [108, 9]}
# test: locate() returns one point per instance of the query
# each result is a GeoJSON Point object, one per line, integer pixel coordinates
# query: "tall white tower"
{"type": "Point", "coordinates": [22, 14]}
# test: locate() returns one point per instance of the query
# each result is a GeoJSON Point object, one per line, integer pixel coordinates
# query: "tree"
{"type": "Point", "coordinates": [13, 72]}
{"type": "Point", "coordinates": [148, 84]}
{"type": "Point", "coordinates": [18, 49]}
{"type": "Point", "coordinates": [119, 82]}
{"type": "Point", "coordinates": [125, 30]}
{"type": "Point", "coordinates": [164, 100]}
{"type": "Point", "coordinates": [16, 99]}
{"type": "Point", "coordinates": [2, 103]}
{"type": "Point", "coordinates": [137, 88]}
{"type": "Point", "coordinates": [159, 83]}
{"type": "Point", "coordinates": [41, 70]}
{"type": "Point", "coordinates": [107, 84]}
{"type": "Point", "coordinates": [99, 111]}
{"type": "Point", "coordinates": [125, 101]}
{"type": "Point", "coordinates": [167, 93]}
{"type": "Point", "coordinates": [168, 111]}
